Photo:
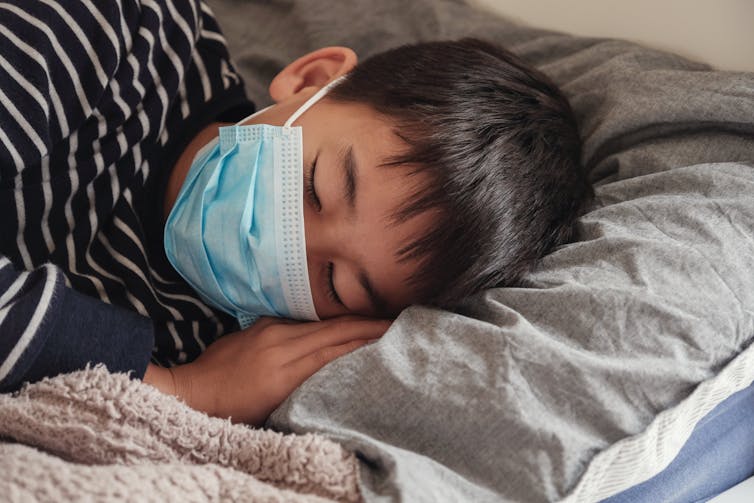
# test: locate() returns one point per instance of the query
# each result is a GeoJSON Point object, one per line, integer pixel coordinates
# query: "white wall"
{"type": "Point", "coordinates": [719, 32]}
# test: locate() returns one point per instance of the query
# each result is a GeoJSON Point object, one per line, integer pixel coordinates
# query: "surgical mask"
{"type": "Point", "coordinates": [236, 230]}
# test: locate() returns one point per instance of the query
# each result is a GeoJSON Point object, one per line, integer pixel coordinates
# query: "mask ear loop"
{"type": "Point", "coordinates": [311, 101]}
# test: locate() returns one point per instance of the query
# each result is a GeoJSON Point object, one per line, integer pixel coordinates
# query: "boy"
{"type": "Point", "coordinates": [431, 172]}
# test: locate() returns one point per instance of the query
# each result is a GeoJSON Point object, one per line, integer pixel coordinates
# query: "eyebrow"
{"type": "Point", "coordinates": [350, 174]}
{"type": "Point", "coordinates": [379, 303]}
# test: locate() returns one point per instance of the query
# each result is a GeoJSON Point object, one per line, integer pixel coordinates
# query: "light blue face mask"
{"type": "Point", "coordinates": [236, 230]}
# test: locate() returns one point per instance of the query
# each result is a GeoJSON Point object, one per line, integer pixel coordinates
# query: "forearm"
{"type": "Point", "coordinates": [161, 378]}
{"type": "Point", "coordinates": [179, 382]}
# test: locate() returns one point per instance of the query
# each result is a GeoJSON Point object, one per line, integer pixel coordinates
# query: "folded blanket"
{"type": "Point", "coordinates": [100, 436]}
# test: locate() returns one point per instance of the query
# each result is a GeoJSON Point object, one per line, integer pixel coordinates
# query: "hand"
{"type": "Point", "coordinates": [246, 375]}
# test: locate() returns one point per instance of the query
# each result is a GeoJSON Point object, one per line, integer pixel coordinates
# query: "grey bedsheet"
{"type": "Point", "coordinates": [511, 397]}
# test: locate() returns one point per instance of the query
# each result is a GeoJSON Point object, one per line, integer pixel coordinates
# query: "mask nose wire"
{"type": "Point", "coordinates": [311, 101]}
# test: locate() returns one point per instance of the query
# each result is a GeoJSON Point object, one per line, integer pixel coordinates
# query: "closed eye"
{"type": "Point", "coordinates": [311, 192]}
{"type": "Point", "coordinates": [330, 285]}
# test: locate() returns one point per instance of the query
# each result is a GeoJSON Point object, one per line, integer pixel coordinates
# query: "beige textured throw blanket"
{"type": "Point", "coordinates": [99, 436]}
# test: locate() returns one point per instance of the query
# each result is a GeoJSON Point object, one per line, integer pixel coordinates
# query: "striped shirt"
{"type": "Point", "coordinates": [97, 100]}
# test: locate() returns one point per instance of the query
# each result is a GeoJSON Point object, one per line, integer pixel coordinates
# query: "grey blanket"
{"type": "Point", "coordinates": [512, 397]}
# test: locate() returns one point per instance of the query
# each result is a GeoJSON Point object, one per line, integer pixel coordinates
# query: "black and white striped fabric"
{"type": "Point", "coordinates": [97, 100]}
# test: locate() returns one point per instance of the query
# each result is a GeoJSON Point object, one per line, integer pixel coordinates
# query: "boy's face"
{"type": "Point", "coordinates": [351, 239]}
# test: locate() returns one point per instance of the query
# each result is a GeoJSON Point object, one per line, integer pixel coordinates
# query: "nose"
{"type": "Point", "coordinates": [327, 238]}
{"type": "Point", "coordinates": [312, 234]}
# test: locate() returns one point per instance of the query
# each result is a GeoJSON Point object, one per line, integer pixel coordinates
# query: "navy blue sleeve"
{"type": "Point", "coordinates": [48, 329]}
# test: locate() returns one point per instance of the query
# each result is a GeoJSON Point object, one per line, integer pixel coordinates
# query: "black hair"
{"type": "Point", "coordinates": [501, 149]}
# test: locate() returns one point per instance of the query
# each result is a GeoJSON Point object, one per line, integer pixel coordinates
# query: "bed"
{"type": "Point", "coordinates": [624, 359]}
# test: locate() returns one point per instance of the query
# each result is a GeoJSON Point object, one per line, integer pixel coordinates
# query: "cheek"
{"type": "Point", "coordinates": [351, 291]}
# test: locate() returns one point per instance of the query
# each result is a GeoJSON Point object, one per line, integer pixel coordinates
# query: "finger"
{"type": "Point", "coordinates": [305, 367]}
{"type": "Point", "coordinates": [334, 334]}
{"type": "Point", "coordinates": [294, 329]}
{"type": "Point", "coordinates": [356, 317]}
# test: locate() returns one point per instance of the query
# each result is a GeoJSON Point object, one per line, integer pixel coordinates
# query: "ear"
{"type": "Point", "coordinates": [312, 70]}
